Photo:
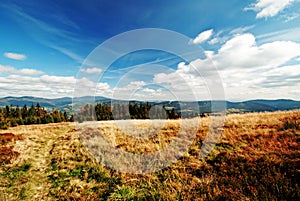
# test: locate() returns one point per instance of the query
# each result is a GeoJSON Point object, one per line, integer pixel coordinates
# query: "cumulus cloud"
{"type": "Point", "coordinates": [269, 8]}
{"type": "Point", "coordinates": [148, 90]}
{"type": "Point", "coordinates": [91, 70]}
{"type": "Point", "coordinates": [23, 85]}
{"type": "Point", "coordinates": [49, 86]}
{"type": "Point", "coordinates": [57, 79]}
{"type": "Point", "coordinates": [23, 71]}
{"type": "Point", "coordinates": [152, 94]}
{"type": "Point", "coordinates": [243, 52]}
{"type": "Point", "coordinates": [15, 56]}
{"type": "Point", "coordinates": [283, 76]}
{"type": "Point", "coordinates": [203, 36]}
{"type": "Point", "coordinates": [6, 69]}
{"type": "Point", "coordinates": [248, 70]}
{"type": "Point", "coordinates": [193, 81]}
{"type": "Point", "coordinates": [27, 71]}
{"type": "Point", "coordinates": [276, 83]}
{"type": "Point", "coordinates": [140, 90]}
{"type": "Point", "coordinates": [125, 90]}
{"type": "Point", "coordinates": [31, 82]}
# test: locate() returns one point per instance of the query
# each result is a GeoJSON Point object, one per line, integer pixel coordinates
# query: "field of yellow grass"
{"type": "Point", "coordinates": [257, 157]}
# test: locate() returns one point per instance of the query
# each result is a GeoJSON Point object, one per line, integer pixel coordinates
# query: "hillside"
{"type": "Point", "coordinates": [256, 158]}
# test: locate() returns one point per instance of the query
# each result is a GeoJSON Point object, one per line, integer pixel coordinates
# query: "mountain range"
{"type": "Point", "coordinates": [65, 104]}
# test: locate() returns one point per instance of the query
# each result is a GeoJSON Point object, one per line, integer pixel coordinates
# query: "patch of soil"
{"type": "Point", "coordinates": [6, 152]}
{"type": "Point", "coordinates": [5, 138]}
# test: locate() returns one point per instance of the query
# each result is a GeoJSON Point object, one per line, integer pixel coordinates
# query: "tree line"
{"type": "Point", "coordinates": [140, 110]}
{"type": "Point", "coordinates": [11, 116]}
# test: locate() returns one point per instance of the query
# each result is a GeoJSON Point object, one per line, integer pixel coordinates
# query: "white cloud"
{"type": "Point", "coordinates": [284, 72]}
{"type": "Point", "coordinates": [31, 82]}
{"type": "Point", "coordinates": [203, 36]}
{"type": "Point", "coordinates": [15, 56]}
{"type": "Point", "coordinates": [57, 79]}
{"type": "Point", "coordinates": [49, 86]}
{"type": "Point", "coordinates": [135, 85]}
{"type": "Point", "coordinates": [209, 54]}
{"type": "Point", "coordinates": [224, 35]}
{"type": "Point", "coordinates": [152, 94]}
{"type": "Point", "coordinates": [6, 69]}
{"type": "Point", "coordinates": [243, 52]}
{"type": "Point", "coordinates": [140, 90]}
{"type": "Point", "coordinates": [125, 90]}
{"type": "Point", "coordinates": [281, 82]}
{"type": "Point", "coordinates": [23, 71]}
{"type": "Point", "coordinates": [17, 85]}
{"type": "Point", "coordinates": [27, 71]}
{"type": "Point", "coordinates": [148, 90]}
{"type": "Point", "coordinates": [218, 38]}
{"type": "Point", "coordinates": [248, 70]}
{"type": "Point", "coordinates": [186, 83]}
{"type": "Point", "coordinates": [269, 8]}
{"type": "Point", "coordinates": [215, 41]}
{"type": "Point", "coordinates": [91, 70]}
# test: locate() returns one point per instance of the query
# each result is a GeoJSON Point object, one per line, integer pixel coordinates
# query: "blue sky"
{"type": "Point", "coordinates": [253, 44]}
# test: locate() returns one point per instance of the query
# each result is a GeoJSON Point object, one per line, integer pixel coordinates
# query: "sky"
{"type": "Point", "coordinates": [53, 49]}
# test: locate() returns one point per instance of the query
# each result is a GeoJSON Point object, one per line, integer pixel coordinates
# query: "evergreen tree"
{"type": "Point", "coordinates": [6, 112]}
{"type": "Point", "coordinates": [13, 116]}
{"type": "Point", "coordinates": [18, 113]}
{"type": "Point", "coordinates": [31, 111]}
{"type": "Point", "coordinates": [24, 111]}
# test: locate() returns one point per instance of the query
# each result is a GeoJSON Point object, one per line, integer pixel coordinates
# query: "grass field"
{"type": "Point", "coordinates": [257, 157]}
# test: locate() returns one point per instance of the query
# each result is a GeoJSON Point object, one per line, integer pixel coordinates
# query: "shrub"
{"type": "Point", "coordinates": [290, 124]}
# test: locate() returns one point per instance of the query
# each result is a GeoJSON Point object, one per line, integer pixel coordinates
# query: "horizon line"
{"type": "Point", "coordinates": [228, 100]}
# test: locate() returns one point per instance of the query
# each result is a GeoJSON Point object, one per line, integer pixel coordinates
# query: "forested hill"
{"type": "Point", "coordinates": [65, 104]}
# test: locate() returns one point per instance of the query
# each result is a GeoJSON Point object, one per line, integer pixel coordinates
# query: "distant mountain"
{"type": "Point", "coordinates": [65, 104]}
{"type": "Point", "coordinates": [46, 102]}
{"type": "Point", "coordinates": [264, 105]}
{"type": "Point", "coordinates": [28, 100]}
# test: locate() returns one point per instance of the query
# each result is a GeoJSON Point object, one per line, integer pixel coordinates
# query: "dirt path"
{"type": "Point", "coordinates": [35, 149]}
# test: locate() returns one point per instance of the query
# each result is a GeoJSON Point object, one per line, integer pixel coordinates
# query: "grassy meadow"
{"type": "Point", "coordinates": [257, 157]}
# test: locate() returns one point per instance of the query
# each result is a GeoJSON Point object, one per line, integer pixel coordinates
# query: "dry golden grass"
{"type": "Point", "coordinates": [256, 158]}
